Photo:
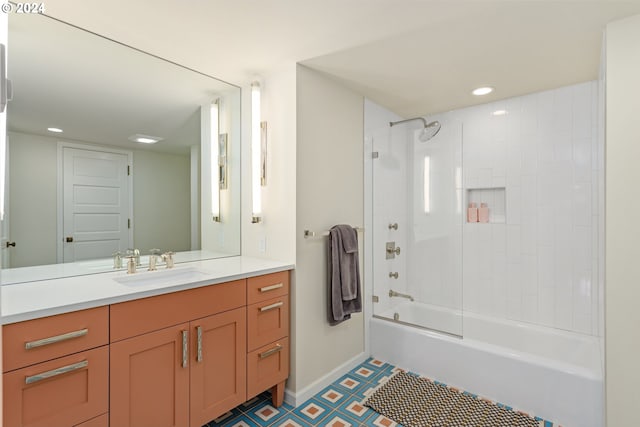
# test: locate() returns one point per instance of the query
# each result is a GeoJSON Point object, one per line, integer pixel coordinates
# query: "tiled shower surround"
{"type": "Point", "coordinates": [542, 265]}
{"type": "Point", "coordinates": [540, 165]}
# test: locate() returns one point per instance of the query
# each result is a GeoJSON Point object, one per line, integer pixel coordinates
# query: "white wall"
{"type": "Point", "coordinates": [33, 186]}
{"type": "Point", "coordinates": [329, 176]}
{"type": "Point", "coordinates": [161, 201]}
{"type": "Point", "coordinates": [160, 188]}
{"type": "Point", "coordinates": [274, 237]}
{"type": "Point", "coordinates": [622, 227]}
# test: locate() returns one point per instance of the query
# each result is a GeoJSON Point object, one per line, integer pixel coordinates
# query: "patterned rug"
{"type": "Point", "coordinates": [415, 401]}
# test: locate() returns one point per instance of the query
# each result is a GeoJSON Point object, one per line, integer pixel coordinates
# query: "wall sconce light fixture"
{"type": "Point", "coordinates": [256, 150]}
{"type": "Point", "coordinates": [215, 161]}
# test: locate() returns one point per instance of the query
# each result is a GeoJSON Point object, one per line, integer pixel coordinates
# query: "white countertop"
{"type": "Point", "coordinates": [25, 301]}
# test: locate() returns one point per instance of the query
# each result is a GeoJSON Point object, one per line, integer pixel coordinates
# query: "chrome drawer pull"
{"type": "Point", "coordinates": [272, 287]}
{"type": "Point", "coordinates": [185, 345]}
{"type": "Point", "coordinates": [271, 306]}
{"type": "Point", "coordinates": [59, 371]}
{"type": "Point", "coordinates": [199, 355]}
{"type": "Point", "coordinates": [52, 340]}
{"type": "Point", "coordinates": [268, 353]}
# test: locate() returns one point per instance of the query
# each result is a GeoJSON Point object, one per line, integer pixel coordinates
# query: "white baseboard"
{"type": "Point", "coordinates": [296, 398]}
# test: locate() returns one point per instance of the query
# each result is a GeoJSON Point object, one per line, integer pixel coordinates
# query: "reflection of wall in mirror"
{"type": "Point", "coordinates": [161, 200]}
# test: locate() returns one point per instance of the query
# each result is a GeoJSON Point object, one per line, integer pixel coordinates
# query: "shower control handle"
{"type": "Point", "coordinates": [393, 226]}
{"type": "Point", "coordinates": [395, 250]}
{"type": "Point", "coordinates": [394, 275]}
{"type": "Point", "coordinates": [392, 250]}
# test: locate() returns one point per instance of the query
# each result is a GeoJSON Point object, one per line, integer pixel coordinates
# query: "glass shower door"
{"type": "Point", "coordinates": [417, 228]}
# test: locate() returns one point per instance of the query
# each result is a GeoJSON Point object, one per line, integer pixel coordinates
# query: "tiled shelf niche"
{"type": "Point", "coordinates": [494, 197]}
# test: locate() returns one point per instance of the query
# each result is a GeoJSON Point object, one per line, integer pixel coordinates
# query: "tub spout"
{"type": "Point", "coordinates": [393, 293]}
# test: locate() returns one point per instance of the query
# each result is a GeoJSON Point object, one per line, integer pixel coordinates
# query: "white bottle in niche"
{"type": "Point", "coordinates": [483, 213]}
{"type": "Point", "coordinates": [472, 213]}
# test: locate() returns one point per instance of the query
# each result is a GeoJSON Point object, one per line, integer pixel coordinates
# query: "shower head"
{"type": "Point", "coordinates": [429, 131]}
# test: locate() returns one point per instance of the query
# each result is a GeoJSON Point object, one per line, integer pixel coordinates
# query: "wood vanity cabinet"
{"type": "Point", "coordinates": [178, 359]}
{"type": "Point", "coordinates": [268, 335]}
{"type": "Point", "coordinates": [55, 370]}
{"type": "Point", "coordinates": [184, 374]}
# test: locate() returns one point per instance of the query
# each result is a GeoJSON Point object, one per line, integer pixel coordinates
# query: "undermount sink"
{"type": "Point", "coordinates": [174, 276]}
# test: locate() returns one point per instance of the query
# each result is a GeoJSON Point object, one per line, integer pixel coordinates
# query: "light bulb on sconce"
{"type": "Point", "coordinates": [256, 150]}
{"type": "Point", "coordinates": [213, 146]}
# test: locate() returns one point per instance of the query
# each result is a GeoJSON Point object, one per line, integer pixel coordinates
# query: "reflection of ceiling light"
{"type": "Point", "coordinates": [144, 139]}
{"type": "Point", "coordinates": [56, 130]}
{"type": "Point", "coordinates": [482, 91]}
{"type": "Point", "coordinates": [499, 112]}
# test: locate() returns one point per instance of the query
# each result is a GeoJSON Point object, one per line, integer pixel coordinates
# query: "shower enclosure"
{"type": "Point", "coordinates": [417, 218]}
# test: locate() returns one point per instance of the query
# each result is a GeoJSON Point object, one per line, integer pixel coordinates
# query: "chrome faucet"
{"type": "Point", "coordinates": [131, 264]}
{"type": "Point", "coordinates": [393, 293]}
{"type": "Point", "coordinates": [154, 258]}
{"type": "Point", "coordinates": [167, 257]}
{"type": "Point", "coordinates": [117, 260]}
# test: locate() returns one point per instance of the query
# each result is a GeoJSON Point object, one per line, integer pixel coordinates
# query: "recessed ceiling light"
{"type": "Point", "coordinates": [482, 91]}
{"type": "Point", "coordinates": [144, 139]}
{"type": "Point", "coordinates": [56, 130]}
{"type": "Point", "coordinates": [499, 112]}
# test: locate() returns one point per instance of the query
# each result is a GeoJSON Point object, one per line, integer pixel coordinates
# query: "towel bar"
{"type": "Point", "coordinates": [308, 234]}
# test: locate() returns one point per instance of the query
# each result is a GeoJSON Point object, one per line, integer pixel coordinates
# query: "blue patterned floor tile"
{"type": "Point", "coordinates": [377, 420]}
{"type": "Point", "coordinates": [354, 408]}
{"type": "Point", "coordinates": [350, 383]}
{"type": "Point", "coordinates": [251, 403]}
{"type": "Point", "coordinates": [365, 391]}
{"type": "Point", "coordinates": [333, 395]}
{"type": "Point", "coordinates": [291, 420]}
{"type": "Point", "coordinates": [242, 420]}
{"type": "Point", "coordinates": [339, 419]}
{"type": "Point", "coordinates": [313, 411]}
{"type": "Point", "coordinates": [376, 364]}
{"type": "Point", "coordinates": [264, 414]}
{"type": "Point", "coordinates": [363, 372]}
{"type": "Point", "coordinates": [225, 418]}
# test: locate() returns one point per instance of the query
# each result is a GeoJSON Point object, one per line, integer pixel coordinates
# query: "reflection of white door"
{"type": "Point", "coordinates": [95, 204]}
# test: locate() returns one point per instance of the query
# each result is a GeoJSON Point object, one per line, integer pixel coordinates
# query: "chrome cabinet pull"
{"type": "Point", "coordinates": [52, 340]}
{"type": "Point", "coordinates": [272, 287]}
{"type": "Point", "coordinates": [271, 306]}
{"type": "Point", "coordinates": [270, 352]}
{"type": "Point", "coordinates": [199, 353]}
{"type": "Point", "coordinates": [185, 345]}
{"type": "Point", "coordinates": [55, 372]}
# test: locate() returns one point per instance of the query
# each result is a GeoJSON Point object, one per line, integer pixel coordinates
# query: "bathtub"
{"type": "Point", "coordinates": [553, 374]}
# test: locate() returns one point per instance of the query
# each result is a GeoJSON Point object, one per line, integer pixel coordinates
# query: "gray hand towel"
{"type": "Point", "coordinates": [344, 274]}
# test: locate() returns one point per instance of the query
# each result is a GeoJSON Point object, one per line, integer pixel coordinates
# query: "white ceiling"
{"type": "Point", "coordinates": [412, 56]}
{"type": "Point", "coordinates": [99, 91]}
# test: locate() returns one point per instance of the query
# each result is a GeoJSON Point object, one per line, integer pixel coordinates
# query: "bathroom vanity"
{"type": "Point", "coordinates": [127, 351]}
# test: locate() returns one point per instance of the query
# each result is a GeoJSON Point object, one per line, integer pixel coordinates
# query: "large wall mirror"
{"type": "Point", "coordinates": [83, 179]}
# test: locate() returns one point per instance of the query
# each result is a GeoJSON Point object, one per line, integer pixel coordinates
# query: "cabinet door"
{"type": "Point", "coordinates": [150, 379]}
{"type": "Point", "coordinates": [59, 393]}
{"type": "Point", "coordinates": [218, 367]}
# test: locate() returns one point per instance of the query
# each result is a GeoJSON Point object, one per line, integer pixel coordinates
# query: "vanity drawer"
{"type": "Point", "coordinates": [38, 340]}
{"type": "Point", "coordinates": [132, 318]}
{"type": "Point", "coordinates": [61, 392]}
{"type": "Point", "coordinates": [267, 366]}
{"type": "Point", "coordinates": [267, 321]}
{"type": "Point", "coordinates": [269, 286]}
